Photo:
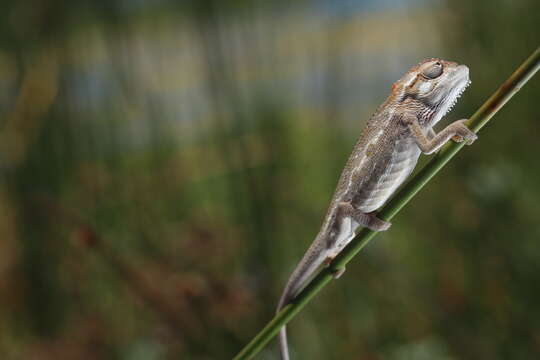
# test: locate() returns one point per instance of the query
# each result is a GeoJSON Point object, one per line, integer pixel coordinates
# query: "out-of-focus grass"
{"type": "Point", "coordinates": [171, 163]}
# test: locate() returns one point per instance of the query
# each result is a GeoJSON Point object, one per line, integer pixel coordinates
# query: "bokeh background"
{"type": "Point", "coordinates": [165, 164]}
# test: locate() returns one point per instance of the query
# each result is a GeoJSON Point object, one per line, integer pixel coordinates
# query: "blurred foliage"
{"type": "Point", "coordinates": [165, 164]}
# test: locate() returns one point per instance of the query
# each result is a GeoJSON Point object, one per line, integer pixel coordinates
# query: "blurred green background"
{"type": "Point", "coordinates": [165, 164]}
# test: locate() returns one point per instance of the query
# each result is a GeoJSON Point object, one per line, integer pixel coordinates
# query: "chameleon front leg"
{"type": "Point", "coordinates": [432, 142]}
{"type": "Point", "coordinates": [430, 133]}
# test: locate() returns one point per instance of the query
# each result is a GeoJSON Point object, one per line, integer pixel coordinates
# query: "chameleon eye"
{"type": "Point", "coordinates": [434, 71]}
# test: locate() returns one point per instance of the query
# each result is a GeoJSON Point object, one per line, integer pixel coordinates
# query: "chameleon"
{"type": "Point", "coordinates": [384, 156]}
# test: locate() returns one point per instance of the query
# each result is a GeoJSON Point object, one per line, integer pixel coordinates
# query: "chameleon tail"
{"type": "Point", "coordinates": [283, 346]}
{"type": "Point", "coordinates": [304, 270]}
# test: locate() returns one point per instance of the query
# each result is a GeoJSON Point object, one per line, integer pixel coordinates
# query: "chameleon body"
{"type": "Point", "coordinates": [384, 156]}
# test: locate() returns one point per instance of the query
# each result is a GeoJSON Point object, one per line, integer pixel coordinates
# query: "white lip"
{"type": "Point", "coordinates": [462, 74]}
{"type": "Point", "coordinates": [464, 70]}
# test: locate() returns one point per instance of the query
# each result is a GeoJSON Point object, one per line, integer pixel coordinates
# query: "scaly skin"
{"type": "Point", "coordinates": [384, 156]}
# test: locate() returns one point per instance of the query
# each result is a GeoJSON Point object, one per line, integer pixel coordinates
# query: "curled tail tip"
{"type": "Point", "coordinates": [283, 346]}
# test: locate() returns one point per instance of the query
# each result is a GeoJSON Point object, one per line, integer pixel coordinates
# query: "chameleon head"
{"type": "Point", "coordinates": [435, 84]}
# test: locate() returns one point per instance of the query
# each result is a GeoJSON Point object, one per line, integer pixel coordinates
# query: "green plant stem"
{"type": "Point", "coordinates": [480, 118]}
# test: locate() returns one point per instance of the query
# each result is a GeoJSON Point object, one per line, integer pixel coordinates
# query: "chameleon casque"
{"type": "Point", "coordinates": [383, 157]}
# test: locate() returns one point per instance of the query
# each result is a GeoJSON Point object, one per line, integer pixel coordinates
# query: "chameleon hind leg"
{"type": "Point", "coordinates": [347, 213]}
{"type": "Point", "coordinates": [367, 220]}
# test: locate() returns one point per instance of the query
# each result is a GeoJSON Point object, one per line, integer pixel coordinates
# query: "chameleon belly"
{"type": "Point", "coordinates": [389, 172]}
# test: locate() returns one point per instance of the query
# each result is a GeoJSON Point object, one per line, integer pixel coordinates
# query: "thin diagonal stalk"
{"type": "Point", "coordinates": [480, 118]}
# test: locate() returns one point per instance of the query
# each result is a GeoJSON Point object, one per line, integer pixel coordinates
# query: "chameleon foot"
{"type": "Point", "coordinates": [463, 133]}
{"type": "Point", "coordinates": [377, 224]}
{"type": "Point", "coordinates": [338, 272]}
